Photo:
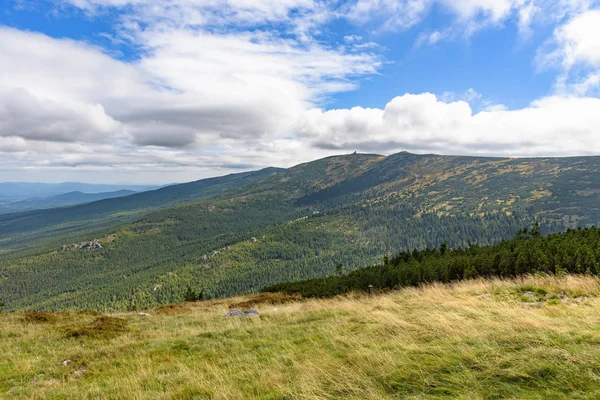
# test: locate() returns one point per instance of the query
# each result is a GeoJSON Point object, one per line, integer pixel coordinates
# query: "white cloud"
{"type": "Point", "coordinates": [29, 117]}
{"type": "Point", "coordinates": [423, 123]}
{"type": "Point", "coordinates": [401, 14]}
{"type": "Point", "coordinates": [579, 41]}
{"type": "Point", "coordinates": [205, 13]}
{"type": "Point", "coordinates": [575, 49]}
{"type": "Point", "coordinates": [396, 14]}
{"type": "Point", "coordinates": [470, 16]}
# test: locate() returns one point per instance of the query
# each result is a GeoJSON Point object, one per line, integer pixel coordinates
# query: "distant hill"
{"type": "Point", "coordinates": [61, 200]}
{"type": "Point", "coordinates": [16, 191]}
{"type": "Point", "coordinates": [240, 233]}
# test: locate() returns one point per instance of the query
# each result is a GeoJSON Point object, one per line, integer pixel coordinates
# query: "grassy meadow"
{"type": "Point", "coordinates": [532, 338]}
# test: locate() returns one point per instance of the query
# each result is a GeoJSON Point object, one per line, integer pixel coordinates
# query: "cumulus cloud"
{"type": "Point", "coordinates": [26, 116]}
{"type": "Point", "coordinates": [189, 88]}
{"type": "Point", "coordinates": [423, 123]}
{"type": "Point", "coordinates": [575, 48]}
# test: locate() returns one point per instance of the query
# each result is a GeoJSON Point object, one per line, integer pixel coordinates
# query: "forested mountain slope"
{"type": "Point", "coordinates": [20, 229]}
{"type": "Point", "coordinates": [300, 223]}
{"type": "Point", "coordinates": [574, 251]}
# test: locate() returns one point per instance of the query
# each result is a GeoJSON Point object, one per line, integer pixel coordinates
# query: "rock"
{"type": "Point", "coordinates": [234, 313]}
{"type": "Point", "coordinates": [252, 313]}
{"type": "Point", "coordinates": [93, 245]}
{"type": "Point", "coordinates": [143, 314]}
{"type": "Point", "coordinates": [237, 313]}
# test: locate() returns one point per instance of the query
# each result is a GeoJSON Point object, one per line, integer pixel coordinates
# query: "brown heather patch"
{"type": "Point", "coordinates": [266, 298]}
{"type": "Point", "coordinates": [172, 309]}
{"type": "Point", "coordinates": [102, 327]}
{"type": "Point", "coordinates": [92, 313]}
{"type": "Point", "coordinates": [36, 317]}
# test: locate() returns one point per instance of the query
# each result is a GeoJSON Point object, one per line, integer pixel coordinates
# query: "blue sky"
{"type": "Point", "coordinates": [154, 91]}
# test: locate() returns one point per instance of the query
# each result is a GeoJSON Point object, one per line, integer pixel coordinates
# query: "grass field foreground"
{"type": "Point", "coordinates": [537, 337]}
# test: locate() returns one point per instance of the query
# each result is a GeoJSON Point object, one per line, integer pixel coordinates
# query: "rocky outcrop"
{"type": "Point", "coordinates": [91, 245]}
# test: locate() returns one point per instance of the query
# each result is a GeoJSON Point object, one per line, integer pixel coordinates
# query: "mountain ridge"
{"type": "Point", "coordinates": [251, 231]}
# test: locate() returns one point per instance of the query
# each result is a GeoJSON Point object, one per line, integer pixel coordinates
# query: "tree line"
{"type": "Point", "coordinates": [574, 251]}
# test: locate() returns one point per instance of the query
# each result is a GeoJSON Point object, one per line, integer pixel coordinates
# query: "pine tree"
{"type": "Point", "coordinates": [190, 295]}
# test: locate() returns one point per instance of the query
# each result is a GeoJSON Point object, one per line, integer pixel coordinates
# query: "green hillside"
{"type": "Point", "coordinates": [299, 223]}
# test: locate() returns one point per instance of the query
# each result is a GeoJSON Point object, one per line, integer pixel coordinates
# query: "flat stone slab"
{"type": "Point", "coordinates": [238, 313]}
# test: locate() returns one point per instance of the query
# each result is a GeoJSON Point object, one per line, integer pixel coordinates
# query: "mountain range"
{"type": "Point", "coordinates": [17, 191]}
{"type": "Point", "coordinates": [60, 200]}
{"type": "Point", "coordinates": [239, 233]}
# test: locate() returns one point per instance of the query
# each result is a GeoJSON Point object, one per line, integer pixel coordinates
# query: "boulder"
{"type": "Point", "coordinates": [252, 313]}
{"type": "Point", "coordinates": [234, 313]}
{"type": "Point", "coordinates": [237, 313]}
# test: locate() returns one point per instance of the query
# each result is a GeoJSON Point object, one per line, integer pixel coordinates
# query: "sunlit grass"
{"type": "Point", "coordinates": [471, 340]}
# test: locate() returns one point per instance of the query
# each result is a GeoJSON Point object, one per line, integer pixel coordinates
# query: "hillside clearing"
{"type": "Point", "coordinates": [536, 337]}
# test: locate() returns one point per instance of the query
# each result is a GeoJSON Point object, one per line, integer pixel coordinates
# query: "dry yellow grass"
{"type": "Point", "coordinates": [533, 338]}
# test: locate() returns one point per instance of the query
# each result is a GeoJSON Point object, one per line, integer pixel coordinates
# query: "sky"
{"type": "Point", "coordinates": [148, 91]}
